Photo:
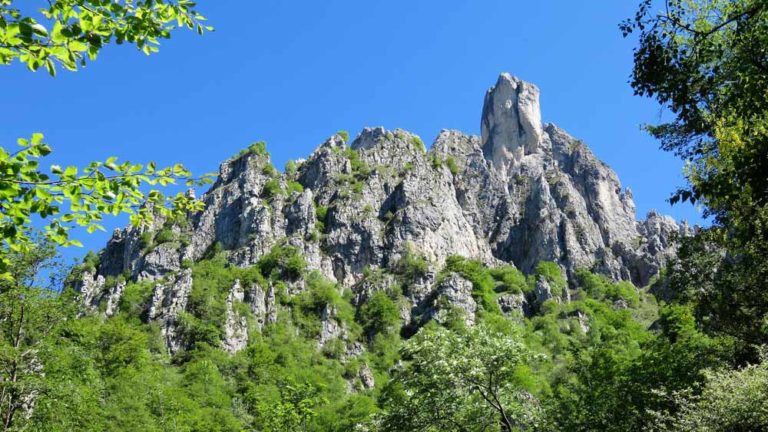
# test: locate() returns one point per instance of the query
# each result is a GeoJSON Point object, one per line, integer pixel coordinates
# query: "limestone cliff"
{"type": "Point", "coordinates": [521, 193]}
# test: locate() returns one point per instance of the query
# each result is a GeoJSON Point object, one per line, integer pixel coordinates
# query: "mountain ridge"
{"type": "Point", "coordinates": [521, 193]}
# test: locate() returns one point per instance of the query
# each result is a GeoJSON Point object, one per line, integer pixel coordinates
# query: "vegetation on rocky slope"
{"type": "Point", "coordinates": [487, 348]}
{"type": "Point", "coordinates": [581, 364]}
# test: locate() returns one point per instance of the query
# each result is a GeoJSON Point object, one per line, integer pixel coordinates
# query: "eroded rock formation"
{"type": "Point", "coordinates": [521, 193]}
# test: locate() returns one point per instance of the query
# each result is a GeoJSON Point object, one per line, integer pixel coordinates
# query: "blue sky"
{"type": "Point", "coordinates": [294, 72]}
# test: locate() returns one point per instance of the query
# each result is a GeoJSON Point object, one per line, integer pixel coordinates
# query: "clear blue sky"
{"type": "Point", "coordinates": [293, 72]}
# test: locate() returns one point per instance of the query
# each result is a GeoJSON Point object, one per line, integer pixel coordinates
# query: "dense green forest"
{"type": "Point", "coordinates": [685, 353]}
{"type": "Point", "coordinates": [581, 365]}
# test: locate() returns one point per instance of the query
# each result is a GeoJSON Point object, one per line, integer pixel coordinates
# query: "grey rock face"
{"type": "Point", "coordinates": [91, 289]}
{"type": "Point", "coordinates": [453, 292]}
{"type": "Point", "coordinates": [511, 122]}
{"type": "Point", "coordinates": [236, 325]}
{"type": "Point", "coordinates": [94, 291]}
{"type": "Point", "coordinates": [366, 377]}
{"type": "Point", "coordinates": [113, 298]}
{"type": "Point", "coordinates": [521, 193]}
{"type": "Point", "coordinates": [162, 260]}
{"type": "Point", "coordinates": [657, 243]}
{"type": "Point", "coordinates": [330, 327]}
{"type": "Point", "coordinates": [168, 300]}
{"type": "Point", "coordinates": [262, 305]}
{"type": "Point", "coordinates": [542, 292]}
{"type": "Point", "coordinates": [514, 303]}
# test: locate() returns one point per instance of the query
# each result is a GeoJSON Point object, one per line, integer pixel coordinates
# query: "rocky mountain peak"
{"type": "Point", "coordinates": [511, 121]}
{"type": "Point", "coordinates": [520, 194]}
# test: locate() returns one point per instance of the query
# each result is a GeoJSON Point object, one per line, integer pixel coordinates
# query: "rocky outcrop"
{"type": "Point", "coordinates": [453, 295]}
{"type": "Point", "coordinates": [91, 289]}
{"type": "Point", "coordinates": [511, 122]}
{"type": "Point", "coordinates": [541, 292]}
{"type": "Point", "coordinates": [366, 377]}
{"type": "Point", "coordinates": [95, 291]}
{"type": "Point", "coordinates": [514, 303]}
{"type": "Point", "coordinates": [521, 193]}
{"type": "Point", "coordinates": [169, 300]}
{"type": "Point", "coordinates": [330, 327]}
{"type": "Point", "coordinates": [113, 298]}
{"type": "Point", "coordinates": [262, 304]}
{"type": "Point", "coordinates": [236, 324]}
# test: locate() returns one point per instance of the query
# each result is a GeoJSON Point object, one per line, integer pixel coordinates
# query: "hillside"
{"type": "Point", "coordinates": [521, 194]}
{"type": "Point", "coordinates": [302, 294]}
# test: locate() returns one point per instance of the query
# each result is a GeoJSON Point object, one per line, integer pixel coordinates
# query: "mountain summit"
{"type": "Point", "coordinates": [522, 193]}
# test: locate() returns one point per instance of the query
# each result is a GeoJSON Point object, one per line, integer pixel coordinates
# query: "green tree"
{"type": "Point", "coordinates": [69, 32]}
{"type": "Point", "coordinates": [69, 197]}
{"type": "Point", "coordinates": [459, 381]}
{"type": "Point", "coordinates": [296, 407]}
{"type": "Point", "coordinates": [379, 315]}
{"type": "Point", "coordinates": [705, 62]}
{"type": "Point", "coordinates": [617, 377]}
{"type": "Point", "coordinates": [29, 313]}
{"type": "Point", "coordinates": [731, 400]}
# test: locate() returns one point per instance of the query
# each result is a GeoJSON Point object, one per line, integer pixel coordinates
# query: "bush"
{"type": "Point", "coordinates": [601, 288]}
{"type": "Point", "coordinates": [283, 261]}
{"type": "Point", "coordinates": [379, 315]}
{"type": "Point", "coordinates": [452, 166]}
{"type": "Point", "coordinates": [165, 235]}
{"type": "Point", "coordinates": [196, 331]}
{"type": "Point", "coordinates": [334, 349]}
{"type": "Point", "coordinates": [294, 186]}
{"type": "Point", "coordinates": [344, 135]}
{"type": "Point", "coordinates": [135, 298]}
{"type": "Point", "coordinates": [90, 264]}
{"type": "Point", "coordinates": [360, 169]}
{"type": "Point", "coordinates": [411, 265]}
{"type": "Point", "coordinates": [90, 261]}
{"type": "Point", "coordinates": [257, 148]}
{"type": "Point", "coordinates": [553, 275]}
{"type": "Point", "coordinates": [269, 170]}
{"type": "Point", "coordinates": [321, 212]}
{"type": "Point", "coordinates": [319, 295]}
{"type": "Point", "coordinates": [483, 284]}
{"type": "Point", "coordinates": [272, 188]}
{"type": "Point", "coordinates": [290, 168]}
{"type": "Point", "coordinates": [730, 400]}
{"type": "Point", "coordinates": [418, 143]}
{"type": "Point", "coordinates": [510, 279]}
{"type": "Point", "coordinates": [436, 161]}
{"type": "Point", "coordinates": [145, 240]}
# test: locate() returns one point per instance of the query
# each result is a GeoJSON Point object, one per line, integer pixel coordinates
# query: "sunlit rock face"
{"type": "Point", "coordinates": [511, 122]}
{"type": "Point", "coordinates": [521, 193]}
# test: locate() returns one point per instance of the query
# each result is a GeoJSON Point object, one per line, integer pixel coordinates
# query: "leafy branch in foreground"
{"type": "Point", "coordinates": [70, 198]}
{"type": "Point", "coordinates": [78, 29]}
{"type": "Point", "coordinates": [705, 61]}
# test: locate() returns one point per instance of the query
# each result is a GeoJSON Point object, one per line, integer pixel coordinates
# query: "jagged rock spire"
{"type": "Point", "coordinates": [520, 194]}
{"type": "Point", "coordinates": [511, 122]}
